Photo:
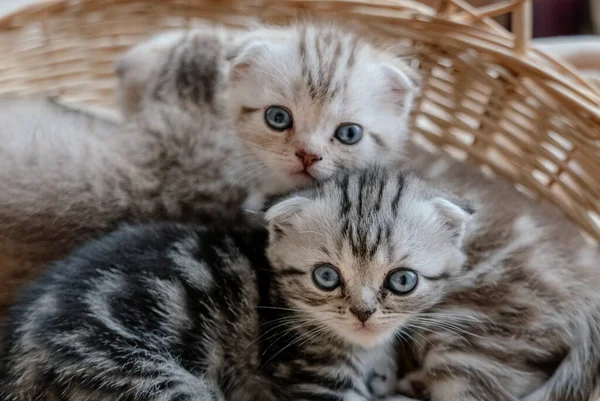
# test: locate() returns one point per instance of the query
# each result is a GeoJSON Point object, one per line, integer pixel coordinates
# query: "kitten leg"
{"type": "Point", "coordinates": [197, 390]}
{"type": "Point", "coordinates": [414, 385]}
{"type": "Point", "coordinates": [79, 381]}
{"type": "Point", "coordinates": [381, 381]}
{"type": "Point", "coordinates": [461, 377]}
{"type": "Point", "coordinates": [459, 384]}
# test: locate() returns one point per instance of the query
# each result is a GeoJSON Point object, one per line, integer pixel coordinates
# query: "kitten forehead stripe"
{"type": "Point", "coordinates": [396, 200]}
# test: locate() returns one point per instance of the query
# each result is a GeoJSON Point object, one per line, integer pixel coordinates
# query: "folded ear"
{"type": "Point", "coordinates": [245, 56]}
{"type": "Point", "coordinates": [456, 215]}
{"type": "Point", "coordinates": [281, 215]}
{"type": "Point", "coordinates": [250, 51]}
{"type": "Point", "coordinates": [401, 81]}
{"type": "Point", "coordinates": [136, 67]}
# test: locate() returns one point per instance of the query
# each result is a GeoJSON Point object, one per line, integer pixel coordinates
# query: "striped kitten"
{"type": "Point", "coordinates": [186, 312]}
{"type": "Point", "coordinates": [520, 318]}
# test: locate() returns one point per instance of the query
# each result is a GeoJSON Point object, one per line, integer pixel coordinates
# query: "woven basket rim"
{"type": "Point", "coordinates": [567, 80]}
{"type": "Point", "coordinates": [554, 84]}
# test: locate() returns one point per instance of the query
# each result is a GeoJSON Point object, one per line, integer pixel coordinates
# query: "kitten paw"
{"type": "Point", "coordinates": [254, 202]}
{"type": "Point", "coordinates": [379, 384]}
{"type": "Point", "coordinates": [413, 385]}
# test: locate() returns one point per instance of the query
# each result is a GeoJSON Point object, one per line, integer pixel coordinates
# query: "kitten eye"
{"type": "Point", "coordinates": [278, 118]}
{"type": "Point", "coordinates": [348, 134]}
{"type": "Point", "coordinates": [326, 277]}
{"type": "Point", "coordinates": [402, 281]}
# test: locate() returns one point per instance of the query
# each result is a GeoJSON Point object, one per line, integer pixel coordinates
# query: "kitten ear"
{"type": "Point", "coordinates": [136, 66]}
{"type": "Point", "coordinates": [281, 214]}
{"type": "Point", "coordinates": [401, 81]}
{"type": "Point", "coordinates": [457, 213]}
{"type": "Point", "coordinates": [245, 56]}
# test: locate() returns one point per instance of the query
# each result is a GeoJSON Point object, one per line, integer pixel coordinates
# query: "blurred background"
{"type": "Point", "coordinates": [550, 17]}
{"type": "Point", "coordinates": [556, 17]}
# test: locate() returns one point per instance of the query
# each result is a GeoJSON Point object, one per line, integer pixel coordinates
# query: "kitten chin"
{"type": "Point", "coordinates": [369, 335]}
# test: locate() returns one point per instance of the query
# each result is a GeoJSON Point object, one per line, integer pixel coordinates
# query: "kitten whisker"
{"type": "Point", "coordinates": [433, 330]}
{"type": "Point", "coordinates": [298, 338]}
{"type": "Point", "coordinates": [446, 326]}
{"type": "Point", "coordinates": [280, 308]}
{"type": "Point", "coordinates": [290, 330]}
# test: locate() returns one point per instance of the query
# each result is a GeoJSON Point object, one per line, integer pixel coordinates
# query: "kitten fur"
{"type": "Point", "coordinates": [187, 312]}
{"type": "Point", "coordinates": [504, 302]}
{"type": "Point", "coordinates": [26, 121]}
{"type": "Point", "coordinates": [188, 98]}
{"type": "Point", "coordinates": [324, 75]}
{"type": "Point", "coordinates": [520, 319]}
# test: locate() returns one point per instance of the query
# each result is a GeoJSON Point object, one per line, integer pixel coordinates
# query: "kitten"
{"type": "Point", "coordinates": [214, 118]}
{"type": "Point", "coordinates": [499, 301]}
{"type": "Point", "coordinates": [520, 318]}
{"type": "Point", "coordinates": [305, 100]}
{"type": "Point", "coordinates": [189, 312]}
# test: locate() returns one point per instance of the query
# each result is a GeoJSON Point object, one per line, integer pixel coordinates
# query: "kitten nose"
{"type": "Point", "coordinates": [362, 314]}
{"type": "Point", "coordinates": [307, 159]}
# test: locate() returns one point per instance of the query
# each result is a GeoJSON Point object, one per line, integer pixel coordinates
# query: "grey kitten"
{"type": "Point", "coordinates": [519, 318]}
{"type": "Point", "coordinates": [58, 185]}
{"type": "Point", "coordinates": [213, 119]}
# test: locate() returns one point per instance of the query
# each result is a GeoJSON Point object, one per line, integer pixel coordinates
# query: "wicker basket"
{"type": "Point", "coordinates": [488, 96]}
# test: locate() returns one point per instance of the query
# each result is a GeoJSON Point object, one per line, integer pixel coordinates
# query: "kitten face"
{"type": "Point", "coordinates": [311, 100]}
{"type": "Point", "coordinates": [379, 232]}
{"type": "Point", "coordinates": [306, 101]}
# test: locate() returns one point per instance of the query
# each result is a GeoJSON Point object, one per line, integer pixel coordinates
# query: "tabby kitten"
{"type": "Point", "coordinates": [188, 312]}
{"type": "Point", "coordinates": [520, 318]}
{"type": "Point", "coordinates": [306, 99]}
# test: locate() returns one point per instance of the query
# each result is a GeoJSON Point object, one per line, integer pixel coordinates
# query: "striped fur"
{"type": "Point", "coordinates": [506, 305]}
{"type": "Point", "coordinates": [179, 154]}
{"type": "Point", "coordinates": [168, 312]}
{"type": "Point", "coordinates": [521, 320]}
{"type": "Point", "coordinates": [325, 76]}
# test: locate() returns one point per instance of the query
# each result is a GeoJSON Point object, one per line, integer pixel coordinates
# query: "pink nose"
{"type": "Point", "coordinates": [307, 159]}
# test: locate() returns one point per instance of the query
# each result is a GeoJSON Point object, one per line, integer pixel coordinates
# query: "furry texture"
{"type": "Point", "coordinates": [30, 128]}
{"type": "Point", "coordinates": [322, 75]}
{"type": "Point", "coordinates": [174, 312]}
{"type": "Point", "coordinates": [521, 318]}
{"type": "Point", "coordinates": [187, 99]}
{"type": "Point", "coordinates": [505, 304]}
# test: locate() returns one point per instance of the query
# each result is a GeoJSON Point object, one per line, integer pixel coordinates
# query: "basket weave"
{"type": "Point", "coordinates": [488, 96]}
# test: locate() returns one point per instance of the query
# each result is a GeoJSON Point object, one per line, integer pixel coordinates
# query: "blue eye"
{"type": "Point", "coordinates": [278, 118]}
{"type": "Point", "coordinates": [349, 134]}
{"type": "Point", "coordinates": [402, 281]}
{"type": "Point", "coordinates": [326, 277]}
